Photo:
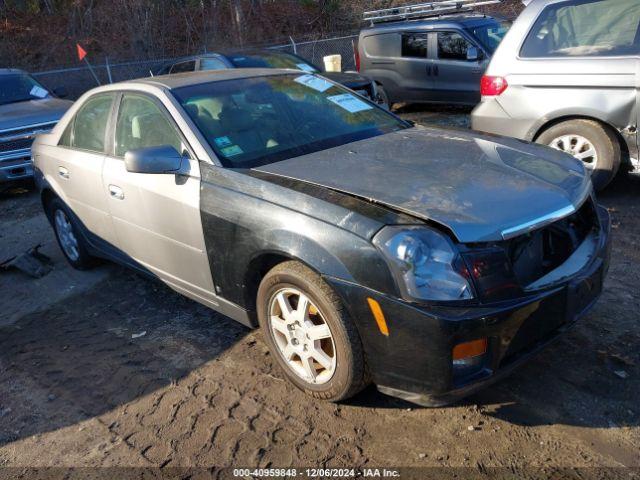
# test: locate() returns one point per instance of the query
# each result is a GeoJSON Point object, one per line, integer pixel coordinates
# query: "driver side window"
{"type": "Point", "coordinates": [141, 123]}
{"type": "Point", "coordinates": [452, 46]}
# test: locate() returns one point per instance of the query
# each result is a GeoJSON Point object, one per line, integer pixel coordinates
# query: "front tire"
{"type": "Point", "coordinates": [68, 235]}
{"type": "Point", "coordinates": [590, 142]}
{"type": "Point", "coordinates": [310, 334]}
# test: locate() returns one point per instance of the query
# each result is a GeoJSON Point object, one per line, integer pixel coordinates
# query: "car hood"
{"type": "Point", "coordinates": [32, 112]}
{"type": "Point", "coordinates": [349, 80]}
{"type": "Point", "coordinates": [482, 188]}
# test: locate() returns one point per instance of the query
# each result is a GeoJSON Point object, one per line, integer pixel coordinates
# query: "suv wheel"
{"type": "Point", "coordinates": [310, 333]}
{"type": "Point", "coordinates": [71, 242]}
{"type": "Point", "coordinates": [590, 142]}
{"type": "Point", "coordinates": [382, 98]}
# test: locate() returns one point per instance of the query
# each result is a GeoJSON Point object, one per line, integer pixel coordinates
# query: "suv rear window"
{"type": "Point", "coordinates": [596, 28]}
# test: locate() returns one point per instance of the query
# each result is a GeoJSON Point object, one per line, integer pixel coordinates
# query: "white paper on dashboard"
{"type": "Point", "coordinates": [305, 68]}
{"type": "Point", "coordinates": [317, 83]}
{"type": "Point", "coordinates": [350, 103]}
{"type": "Point", "coordinates": [38, 92]}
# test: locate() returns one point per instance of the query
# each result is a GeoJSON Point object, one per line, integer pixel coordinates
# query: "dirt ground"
{"type": "Point", "coordinates": [110, 369]}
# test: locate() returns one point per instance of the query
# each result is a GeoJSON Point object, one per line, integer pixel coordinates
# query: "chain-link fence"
{"type": "Point", "coordinates": [80, 79]}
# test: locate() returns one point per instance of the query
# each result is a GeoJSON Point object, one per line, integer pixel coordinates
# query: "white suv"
{"type": "Point", "coordinates": [566, 75]}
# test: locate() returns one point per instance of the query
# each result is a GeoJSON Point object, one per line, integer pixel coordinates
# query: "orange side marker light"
{"type": "Point", "coordinates": [470, 349]}
{"type": "Point", "coordinates": [379, 316]}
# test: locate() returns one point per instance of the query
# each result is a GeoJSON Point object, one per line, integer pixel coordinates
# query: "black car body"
{"type": "Point", "coordinates": [443, 278]}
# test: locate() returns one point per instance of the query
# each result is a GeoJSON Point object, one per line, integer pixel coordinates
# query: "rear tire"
{"type": "Point", "coordinates": [589, 141]}
{"type": "Point", "coordinates": [315, 342]}
{"type": "Point", "coordinates": [68, 235]}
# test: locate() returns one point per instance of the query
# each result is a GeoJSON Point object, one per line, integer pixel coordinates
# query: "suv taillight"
{"type": "Point", "coordinates": [492, 86]}
{"type": "Point", "coordinates": [356, 55]}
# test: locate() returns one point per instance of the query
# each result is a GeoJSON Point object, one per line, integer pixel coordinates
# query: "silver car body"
{"type": "Point", "coordinates": [544, 91]}
{"type": "Point", "coordinates": [19, 124]}
{"type": "Point", "coordinates": [137, 212]}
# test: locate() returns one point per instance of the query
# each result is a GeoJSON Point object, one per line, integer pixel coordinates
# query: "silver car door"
{"type": "Point", "coordinates": [76, 164]}
{"type": "Point", "coordinates": [156, 217]}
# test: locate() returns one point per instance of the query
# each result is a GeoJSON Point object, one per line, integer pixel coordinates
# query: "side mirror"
{"type": "Point", "coordinates": [473, 54]}
{"type": "Point", "coordinates": [60, 92]}
{"type": "Point", "coordinates": [154, 160]}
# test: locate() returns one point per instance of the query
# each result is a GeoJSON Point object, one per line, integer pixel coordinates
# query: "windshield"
{"type": "Point", "coordinates": [255, 121]}
{"type": "Point", "coordinates": [272, 60]}
{"type": "Point", "coordinates": [19, 87]}
{"type": "Point", "coordinates": [490, 34]}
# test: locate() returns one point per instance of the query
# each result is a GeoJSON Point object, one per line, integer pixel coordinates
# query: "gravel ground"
{"type": "Point", "coordinates": [111, 369]}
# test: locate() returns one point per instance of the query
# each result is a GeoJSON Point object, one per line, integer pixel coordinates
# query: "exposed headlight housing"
{"type": "Point", "coordinates": [425, 264]}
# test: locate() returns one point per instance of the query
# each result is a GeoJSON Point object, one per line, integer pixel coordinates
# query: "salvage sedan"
{"type": "Point", "coordinates": [430, 262]}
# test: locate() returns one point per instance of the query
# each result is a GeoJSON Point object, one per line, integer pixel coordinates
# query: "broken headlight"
{"type": "Point", "coordinates": [425, 264]}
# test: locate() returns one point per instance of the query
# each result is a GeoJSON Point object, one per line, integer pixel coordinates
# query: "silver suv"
{"type": "Point", "coordinates": [566, 75]}
{"type": "Point", "coordinates": [26, 109]}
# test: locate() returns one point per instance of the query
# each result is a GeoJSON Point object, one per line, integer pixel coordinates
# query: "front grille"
{"type": "Point", "coordinates": [21, 138]}
{"type": "Point", "coordinates": [505, 270]}
{"type": "Point", "coordinates": [534, 255]}
{"type": "Point", "coordinates": [18, 144]}
{"type": "Point", "coordinates": [27, 130]}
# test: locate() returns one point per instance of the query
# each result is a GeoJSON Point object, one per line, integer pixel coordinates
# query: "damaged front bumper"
{"type": "Point", "coordinates": [415, 362]}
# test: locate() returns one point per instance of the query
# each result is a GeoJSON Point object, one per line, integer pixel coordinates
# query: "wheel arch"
{"type": "Point", "coordinates": [47, 195]}
{"type": "Point", "coordinates": [549, 123]}
{"type": "Point", "coordinates": [261, 264]}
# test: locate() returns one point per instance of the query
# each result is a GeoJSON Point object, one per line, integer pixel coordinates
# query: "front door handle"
{"type": "Point", "coordinates": [63, 172]}
{"type": "Point", "coordinates": [429, 70]}
{"type": "Point", "coordinates": [436, 70]}
{"type": "Point", "coordinates": [116, 192]}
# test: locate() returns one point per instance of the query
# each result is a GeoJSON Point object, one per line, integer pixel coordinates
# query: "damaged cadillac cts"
{"type": "Point", "coordinates": [427, 261]}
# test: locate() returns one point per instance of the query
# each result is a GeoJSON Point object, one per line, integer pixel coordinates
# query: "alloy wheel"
{"type": "Point", "coordinates": [578, 146]}
{"type": "Point", "coordinates": [67, 237]}
{"type": "Point", "coordinates": [302, 336]}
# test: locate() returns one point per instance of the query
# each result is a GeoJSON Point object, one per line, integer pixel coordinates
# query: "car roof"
{"type": "Point", "coordinates": [445, 21]}
{"type": "Point", "coordinates": [179, 80]}
{"type": "Point", "coordinates": [7, 71]}
{"type": "Point", "coordinates": [229, 53]}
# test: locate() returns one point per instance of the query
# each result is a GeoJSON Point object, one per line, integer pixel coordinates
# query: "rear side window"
{"type": "Point", "coordinates": [90, 124]}
{"type": "Point", "coordinates": [595, 28]}
{"type": "Point", "coordinates": [452, 46]}
{"type": "Point", "coordinates": [189, 66]}
{"type": "Point", "coordinates": [414, 45]}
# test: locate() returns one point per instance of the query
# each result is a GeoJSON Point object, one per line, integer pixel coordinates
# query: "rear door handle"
{"type": "Point", "coordinates": [63, 172]}
{"type": "Point", "coordinates": [116, 192]}
{"type": "Point", "coordinates": [429, 70]}
{"type": "Point", "coordinates": [436, 70]}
